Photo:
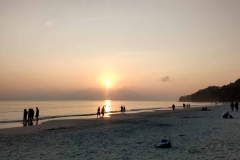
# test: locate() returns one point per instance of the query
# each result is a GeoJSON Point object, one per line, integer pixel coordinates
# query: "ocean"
{"type": "Point", "coordinates": [11, 112]}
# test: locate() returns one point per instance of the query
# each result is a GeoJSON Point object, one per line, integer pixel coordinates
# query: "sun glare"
{"type": "Point", "coordinates": [108, 83]}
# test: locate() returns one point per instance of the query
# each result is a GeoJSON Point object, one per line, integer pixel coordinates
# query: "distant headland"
{"type": "Point", "coordinates": [226, 93]}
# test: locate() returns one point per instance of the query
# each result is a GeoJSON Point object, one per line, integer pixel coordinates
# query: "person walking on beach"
{"type": "Point", "coordinates": [98, 112]}
{"type": "Point", "coordinates": [173, 107]}
{"type": "Point", "coordinates": [236, 106]}
{"type": "Point", "coordinates": [232, 106]}
{"type": "Point", "coordinates": [37, 113]}
{"type": "Point", "coordinates": [103, 110]}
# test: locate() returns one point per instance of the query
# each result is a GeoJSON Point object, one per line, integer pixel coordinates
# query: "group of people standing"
{"type": "Point", "coordinates": [234, 105]}
{"type": "Point", "coordinates": [28, 116]}
{"type": "Point", "coordinates": [100, 112]}
{"type": "Point", "coordinates": [186, 105]}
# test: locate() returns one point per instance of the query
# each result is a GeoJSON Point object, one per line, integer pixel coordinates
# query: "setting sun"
{"type": "Point", "coordinates": [108, 82]}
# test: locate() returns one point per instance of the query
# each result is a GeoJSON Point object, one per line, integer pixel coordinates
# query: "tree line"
{"type": "Point", "coordinates": [226, 93]}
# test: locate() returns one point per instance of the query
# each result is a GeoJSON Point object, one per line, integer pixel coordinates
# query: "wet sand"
{"type": "Point", "coordinates": [194, 134]}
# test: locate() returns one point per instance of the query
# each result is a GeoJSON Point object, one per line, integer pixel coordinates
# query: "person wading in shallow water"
{"type": "Point", "coordinates": [173, 107]}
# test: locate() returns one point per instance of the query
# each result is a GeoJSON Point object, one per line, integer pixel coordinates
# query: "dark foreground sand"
{"type": "Point", "coordinates": [194, 134]}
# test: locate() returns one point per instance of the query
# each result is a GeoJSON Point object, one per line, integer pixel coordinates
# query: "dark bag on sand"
{"type": "Point", "coordinates": [164, 144]}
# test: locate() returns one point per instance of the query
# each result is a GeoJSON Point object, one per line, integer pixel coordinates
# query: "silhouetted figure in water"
{"type": "Point", "coordinates": [232, 106]}
{"type": "Point", "coordinates": [124, 109]}
{"type": "Point", "coordinates": [236, 106]}
{"type": "Point", "coordinates": [25, 113]}
{"type": "Point", "coordinates": [183, 105]}
{"type": "Point", "coordinates": [37, 113]}
{"type": "Point", "coordinates": [173, 107]}
{"type": "Point", "coordinates": [103, 110]}
{"type": "Point", "coordinates": [98, 112]}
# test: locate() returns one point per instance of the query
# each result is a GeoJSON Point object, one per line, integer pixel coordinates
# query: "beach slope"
{"type": "Point", "coordinates": [194, 134]}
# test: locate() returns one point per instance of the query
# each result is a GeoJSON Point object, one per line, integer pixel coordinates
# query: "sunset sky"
{"type": "Point", "coordinates": [161, 49]}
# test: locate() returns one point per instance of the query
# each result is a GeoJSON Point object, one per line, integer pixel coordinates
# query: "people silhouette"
{"type": "Point", "coordinates": [98, 112]}
{"type": "Point", "coordinates": [121, 108]}
{"type": "Point", "coordinates": [103, 110]}
{"type": "Point", "coordinates": [232, 106]}
{"type": "Point", "coordinates": [236, 106]}
{"type": "Point", "coordinates": [173, 107]}
{"type": "Point", "coordinates": [25, 113]}
{"type": "Point", "coordinates": [37, 113]}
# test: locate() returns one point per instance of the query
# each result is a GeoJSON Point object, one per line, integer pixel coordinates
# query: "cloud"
{"type": "Point", "coordinates": [165, 79]}
{"type": "Point", "coordinates": [49, 23]}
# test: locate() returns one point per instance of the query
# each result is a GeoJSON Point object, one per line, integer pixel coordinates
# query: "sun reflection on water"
{"type": "Point", "coordinates": [107, 105]}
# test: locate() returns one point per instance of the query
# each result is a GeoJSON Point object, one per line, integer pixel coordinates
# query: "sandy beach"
{"type": "Point", "coordinates": [194, 134]}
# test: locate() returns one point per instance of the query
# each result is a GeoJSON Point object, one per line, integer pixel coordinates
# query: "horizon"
{"type": "Point", "coordinates": [129, 50]}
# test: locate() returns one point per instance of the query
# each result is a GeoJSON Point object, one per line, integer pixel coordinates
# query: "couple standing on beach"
{"type": "Point", "coordinates": [234, 105]}
{"type": "Point", "coordinates": [123, 109]}
{"type": "Point", "coordinates": [102, 112]}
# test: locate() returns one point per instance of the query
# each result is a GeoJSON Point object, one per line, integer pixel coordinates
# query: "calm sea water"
{"type": "Point", "coordinates": [11, 112]}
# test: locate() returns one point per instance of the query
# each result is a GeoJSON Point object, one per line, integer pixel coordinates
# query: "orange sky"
{"type": "Point", "coordinates": [59, 46]}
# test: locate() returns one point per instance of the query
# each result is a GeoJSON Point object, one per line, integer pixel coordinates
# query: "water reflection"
{"type": "Point", "coordinates": [30, 123]}
{"type": "Point", "coordinates": [25, 123]}
{"type": "Point", "coordinates": [107, 107]}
